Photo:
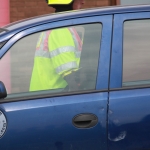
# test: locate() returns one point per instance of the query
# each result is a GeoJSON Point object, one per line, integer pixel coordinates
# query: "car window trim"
{"type": "Point", "coordinates": [78, 21]}
{"type": "Point", "coordinates": [42, 96]}
{"type": "Point", "coordinates": [117, 48]}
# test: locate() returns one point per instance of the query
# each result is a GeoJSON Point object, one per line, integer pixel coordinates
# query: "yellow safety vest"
{"type": "Point", "coordinates": [57, 55]}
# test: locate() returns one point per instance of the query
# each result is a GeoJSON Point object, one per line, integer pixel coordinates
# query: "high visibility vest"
{"type": "Point", "coordinates": [57, 55]}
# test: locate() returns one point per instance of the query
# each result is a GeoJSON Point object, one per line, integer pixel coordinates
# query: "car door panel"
{"type": "Point", "coordinates": [129, 129]}
{"type": "Point", "coordinates": [45, 121]}
{"type": "Point", "coordinates": [128, 115]}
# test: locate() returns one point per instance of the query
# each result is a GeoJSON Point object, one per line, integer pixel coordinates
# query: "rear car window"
{"type": "Point", "coordinates": [136, 53]}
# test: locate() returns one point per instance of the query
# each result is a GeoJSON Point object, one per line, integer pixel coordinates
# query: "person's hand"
{"type": "Point", "coordinates": [73, 81]}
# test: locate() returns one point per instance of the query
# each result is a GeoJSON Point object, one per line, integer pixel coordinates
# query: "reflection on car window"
{"type": "Point", "coordinates": [136, 52]}
{"type": "Point", "coordinates": [59, 60]}
{"type": "Point", "coordinates": [3, 30]}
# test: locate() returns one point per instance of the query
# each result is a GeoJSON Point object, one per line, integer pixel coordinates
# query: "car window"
{"type": "Point", "coordinates": [136, 53]}
{"type": "Point", "coordinates": [53, 61]}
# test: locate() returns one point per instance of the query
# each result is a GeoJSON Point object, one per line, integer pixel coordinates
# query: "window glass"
{"type": "Point", "coordinates": [136, 53]}
{"type": "Point", "coordinates": [58, 60]}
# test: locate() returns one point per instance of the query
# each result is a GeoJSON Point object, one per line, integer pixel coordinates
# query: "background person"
{"type": "Point", "coordinates": [57, 56]}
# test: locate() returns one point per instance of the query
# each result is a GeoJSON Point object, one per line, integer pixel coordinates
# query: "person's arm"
{"type": "Point", "coordinates": [73, 81]}
{"type": "Point", "coordinates": [62, 53]}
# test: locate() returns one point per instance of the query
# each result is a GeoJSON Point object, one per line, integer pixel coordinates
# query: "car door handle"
{"type": "Point", "coordinates": [85, 120]}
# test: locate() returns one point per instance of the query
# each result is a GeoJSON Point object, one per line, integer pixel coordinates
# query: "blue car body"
{"type": "Point", "coordinates": [44, 120]}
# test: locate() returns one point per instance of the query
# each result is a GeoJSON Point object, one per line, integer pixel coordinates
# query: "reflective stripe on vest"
{"type": "Point", "coordinates": [41, 53]}
{"type": "Point", "coordinates": [77, 41]}
{"type": "Point", "coordinates": [67, 67]}
{"type": "Point", "coordinates": [42, 45]}
{"type": "Point", "coordinates": [78, 54]}
{"type": "Point", "coordinates": [76, 38]}
{"type": "Point", "coordinates": [62, 50]}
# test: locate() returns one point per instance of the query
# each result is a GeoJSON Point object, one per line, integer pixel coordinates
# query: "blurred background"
{"type": "Point", "coordinates": [14, 10]}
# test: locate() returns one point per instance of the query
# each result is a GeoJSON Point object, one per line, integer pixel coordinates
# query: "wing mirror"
{"type": "Point", "coordinates": [3, 92]}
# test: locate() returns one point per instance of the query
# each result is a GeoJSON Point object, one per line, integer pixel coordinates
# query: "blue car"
{"type": "Point", "coordinates": [111, 107]}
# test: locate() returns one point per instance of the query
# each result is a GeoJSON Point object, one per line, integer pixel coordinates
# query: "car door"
{"type": "Point", "coordinates": [129, 101]}
{"type": "Point", "coordinates": [56, 119]}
